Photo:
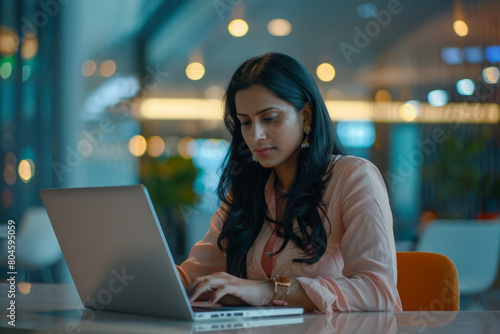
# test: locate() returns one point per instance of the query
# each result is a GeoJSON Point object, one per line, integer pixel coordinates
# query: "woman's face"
{"type": "Point", "coordinates": [271, 127]}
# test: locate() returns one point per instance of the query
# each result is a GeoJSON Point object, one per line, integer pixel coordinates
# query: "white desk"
{"type": "Point", "coordinates": [57, 309]}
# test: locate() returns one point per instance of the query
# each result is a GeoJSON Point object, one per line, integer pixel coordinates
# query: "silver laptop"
{"type": "Point", "coordinates": [119, 259]}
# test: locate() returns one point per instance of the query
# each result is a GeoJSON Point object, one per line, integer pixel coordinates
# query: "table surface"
{"type": "Point", "coordinates": [56, 308]}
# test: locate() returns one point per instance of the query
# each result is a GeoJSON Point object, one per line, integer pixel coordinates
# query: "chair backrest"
{"type": "Point", "coordinates": [427, 282]}
{"type": "Point", "coordinates": [473, 246]}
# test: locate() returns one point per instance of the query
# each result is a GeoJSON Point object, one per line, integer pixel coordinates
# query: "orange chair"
{"type": "Point", "coordinates": [427, 282]}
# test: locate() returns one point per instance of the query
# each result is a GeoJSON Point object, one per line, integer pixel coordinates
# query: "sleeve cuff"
{"type": "Point", "coordinates": [184, 277]}
{"type": "Point", "coordinates": [324, 294]}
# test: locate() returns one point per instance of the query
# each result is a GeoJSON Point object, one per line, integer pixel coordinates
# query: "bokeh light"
{"type": "Point", "coordinates": [325, 72]}
{"type": "Point", "coordinates": [26, 170]}
{"type": "Point", "coordinates": [438, 98]}
{"type": "Point", "coordinates": [195, 71]}
{"type": "Point", "coordinates": [6, 70]}
{"type": "Point", "coordinates": [155, 146]}
{"type": "Point", "coordinates": [383, 95]}
{"type": "Point", "coordinates": [474, 54]}
{"type": "Point", "coordinates": [29, 46]}
{"type": "Point", "coordinates": [238, 28]}
{"type": "Point", "coordinates": [409, 111]}
{"type": "Point", "coordinates": [108, 68]}
{"type": "Point", "coordinates": [452, 55]}
{"type": "Point", "coordinates": [186, 147]}
{"type": "Point", "coordinates": [137, 145]}
{"type": "Point", "coordinates": [466, 87]}
{"type": "Point", "coordinates": [279, 27]}
{"type": "Point", "coordinates": [9, 174]}
{"type": "Point", "coordinates": [491, 75]}
{"type": "Point", "coordinates": [461, 28]}
{"type": "Point", "coordinates": [9, 41]}
{"type": "Point", "coordinates": [492, 53]}
{"type": "Point", "coordinates": [24, 287]}
{"type": "Point", "coordinates": [88, 68]}
{"type": "Point", "coordinates": [359, 134]}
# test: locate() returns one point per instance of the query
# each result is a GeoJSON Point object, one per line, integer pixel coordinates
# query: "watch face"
{"type": "Point", "coordinates": [282, 281]}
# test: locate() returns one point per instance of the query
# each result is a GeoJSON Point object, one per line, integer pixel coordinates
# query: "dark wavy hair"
{"type": "Point", "coordinates": [242, 183]}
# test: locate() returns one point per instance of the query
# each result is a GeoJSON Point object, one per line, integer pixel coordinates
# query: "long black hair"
{"type": "Point", "coordinates": [242, 183]}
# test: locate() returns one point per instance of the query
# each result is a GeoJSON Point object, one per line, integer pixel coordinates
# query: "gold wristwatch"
{"type": "Point", "coordinates": [283, 282]}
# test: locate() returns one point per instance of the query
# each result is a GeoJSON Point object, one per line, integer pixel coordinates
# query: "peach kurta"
{"type": "Point", "coordinates": [358, 270]}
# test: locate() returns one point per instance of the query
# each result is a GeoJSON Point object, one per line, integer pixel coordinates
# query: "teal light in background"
{"type": "Point", "coordinates": [28, 154]}
{"type": "Point", "coordinates": [466, 87]}
{"type": "Point", "coordinates": [438, 98]}
{"type": "Point", "coordinates": [207, 157]}
{"type": "Point", "coordinates": [403, 178]}
{"type": "Point", "coordinates": [356, 134]}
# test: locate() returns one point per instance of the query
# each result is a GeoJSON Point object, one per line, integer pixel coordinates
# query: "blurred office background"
{"type": "Point", "coordinates": [119, 92]}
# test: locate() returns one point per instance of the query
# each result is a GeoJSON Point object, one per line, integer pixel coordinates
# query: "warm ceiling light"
{"type": "Point", "coordinates": [279, 27]}
{"type": "Point", "coordinates": [325, 72]}
{"type": "Point", "coordinates": [461, 28]}
{"type": "Point", "coordinates": [238, 28]}
{"type": "Point", "coordinates": [195, 71]}
{"type": "Point", "coordinates": [155, 108]}
{"type": "Point", "coordinates": [108, 68]}
{"type": "Point", "coordinates": [394, 112]}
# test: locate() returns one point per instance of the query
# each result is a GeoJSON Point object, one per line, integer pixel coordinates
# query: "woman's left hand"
{"type": "Point", "coordinates": [251, 292]}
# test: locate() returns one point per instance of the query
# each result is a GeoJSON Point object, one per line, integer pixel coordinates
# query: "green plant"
{"type": "Point", "coordinates": [456, 172]}
{"type": "Point", "coordinates": [454, 169]}
{"type": "Point", "coordinates": [170, 181]}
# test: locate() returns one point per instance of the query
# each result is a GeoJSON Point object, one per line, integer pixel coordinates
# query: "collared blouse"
{"type": "Point", "coordinates": [358, 270]}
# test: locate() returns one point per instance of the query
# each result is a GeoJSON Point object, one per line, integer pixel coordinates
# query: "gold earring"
{"type": "Point", "coordinates": [306, 143]}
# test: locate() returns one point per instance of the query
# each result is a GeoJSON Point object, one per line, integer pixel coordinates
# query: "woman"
{"type": "Point", "coordinates": [300, 222]}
